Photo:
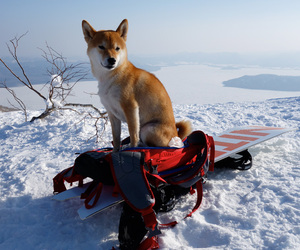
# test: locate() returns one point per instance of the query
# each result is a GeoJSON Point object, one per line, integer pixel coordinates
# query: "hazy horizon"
{"type": "Point", "coordinates": [36, 67]}
{"type": "Point", "coordinates": [156, 27]}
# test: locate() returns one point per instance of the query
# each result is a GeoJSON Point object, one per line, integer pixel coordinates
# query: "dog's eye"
{"type": "Point", "coordinates": [117, 49]}
{"type": "Point", "coordinates": [101, 47]}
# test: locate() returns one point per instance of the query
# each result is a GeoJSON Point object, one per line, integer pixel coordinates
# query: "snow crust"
{"type": "Point", "coordinates": [254, 209]}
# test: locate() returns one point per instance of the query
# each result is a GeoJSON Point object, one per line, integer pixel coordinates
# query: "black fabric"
{"type": "Point", "coordinates": [131, 228]}
{"type": "Point", "coordinates": [92, 164]}
{"type": "Point", "coordinates": [242, 161]}
{"type": "Point", "coordinates": [165, 199]}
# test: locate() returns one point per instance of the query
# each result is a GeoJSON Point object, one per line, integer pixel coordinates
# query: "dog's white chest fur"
{"type": "Point", "coordinates": [110, 98]}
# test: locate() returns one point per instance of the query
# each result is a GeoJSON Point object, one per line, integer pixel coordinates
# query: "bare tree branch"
{"type": "Point", "coordinates": [15, 45]}
{"type": "Point", "coordinates": [98, 134]}
{"type": "Point", "coordinates": [18, 100]}
{"type": "Point", "coordinates": [13, 51]}
{"type": "Point", "coordinates": [63, 77]}
{"type": "Point", "coordinates": [47, 112]}
{"type": "Point", "coordinates": [102, 114]}
{"type": "Point", "coordinates": [67, 74]}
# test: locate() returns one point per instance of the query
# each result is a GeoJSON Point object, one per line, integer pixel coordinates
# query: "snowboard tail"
{"type": "Point", "coordinates": [239, 139]}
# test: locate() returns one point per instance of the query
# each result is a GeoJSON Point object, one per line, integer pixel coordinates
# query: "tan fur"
{"type": "Point", "coordinates": [128, 93]}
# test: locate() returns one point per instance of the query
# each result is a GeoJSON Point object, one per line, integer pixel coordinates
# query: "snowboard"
{"type": "Point", "coordinates": [227, 144]}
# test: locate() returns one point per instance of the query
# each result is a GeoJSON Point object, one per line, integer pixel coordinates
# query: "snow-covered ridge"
{"type": "Point", "coordinates": [255, 209]}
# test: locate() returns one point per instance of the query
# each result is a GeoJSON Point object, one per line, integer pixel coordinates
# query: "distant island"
{"type": "Point", "coordinates": [265, 82]}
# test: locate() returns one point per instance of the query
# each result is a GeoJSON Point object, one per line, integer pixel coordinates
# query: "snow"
{"type": "Point", "coordinates": [254, 209]}
{"type": "Point", "coordinates": [56, 80]}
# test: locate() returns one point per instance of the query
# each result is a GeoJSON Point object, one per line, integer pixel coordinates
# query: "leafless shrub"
{"type": "Point", "coordinates": [63, 77]}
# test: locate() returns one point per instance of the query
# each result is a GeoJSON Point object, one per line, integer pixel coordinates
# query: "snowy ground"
{"type": "Point", "coordinates": [255, 209]}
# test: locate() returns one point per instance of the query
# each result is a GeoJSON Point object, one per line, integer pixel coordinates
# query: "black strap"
{"type": "Point", "coordinates": [244, 162]}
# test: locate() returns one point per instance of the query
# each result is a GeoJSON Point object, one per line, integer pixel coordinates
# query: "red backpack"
{"type": "Point", "coordinates": [136, 172]}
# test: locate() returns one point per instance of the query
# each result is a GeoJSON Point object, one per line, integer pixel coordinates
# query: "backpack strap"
{"type": "Point", "coordinates": [92, 193]}
{"type": "Point", "coordinates": [211, 145]}
{"type": "Point", "coordinates": [130, 178]}
{"type": "Point", "coordinates": [199, 189]}
{"type": "Point", "coordinates": [149, 243]}
{"type": "Point", "coordinates": [68, 175]}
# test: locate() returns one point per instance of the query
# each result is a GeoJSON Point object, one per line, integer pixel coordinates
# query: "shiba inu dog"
{"type": "Point", "coordinates": [128, 93]}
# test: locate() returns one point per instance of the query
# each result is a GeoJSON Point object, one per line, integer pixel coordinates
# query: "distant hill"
{"type": "Point", "coordinates": [36, 70]}
{"type": "Point", "coordinates": [266, 82]}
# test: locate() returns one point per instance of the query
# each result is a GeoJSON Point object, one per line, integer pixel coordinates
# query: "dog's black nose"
{"type": "Point", "coordinates": [111, 60]}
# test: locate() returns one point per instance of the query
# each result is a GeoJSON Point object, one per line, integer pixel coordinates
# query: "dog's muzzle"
{"type": "Point", "coordinates": [111, 63]}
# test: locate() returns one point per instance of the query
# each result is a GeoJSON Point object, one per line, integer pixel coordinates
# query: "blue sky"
{"type": "Point", "coordinates": [155, 27]}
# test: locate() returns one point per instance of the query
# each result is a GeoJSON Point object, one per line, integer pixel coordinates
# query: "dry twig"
{"type": "Point", "coordinates": [22, 105]}
{"type": "Point", "coordinates": [64, 77]}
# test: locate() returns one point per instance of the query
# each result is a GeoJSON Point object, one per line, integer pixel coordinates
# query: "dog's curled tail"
{"type": "Point", "coordinates": [184, 128]}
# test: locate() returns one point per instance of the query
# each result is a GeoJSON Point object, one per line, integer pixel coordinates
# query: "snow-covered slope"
{"type": "Point", "coordinates": [255, 209]}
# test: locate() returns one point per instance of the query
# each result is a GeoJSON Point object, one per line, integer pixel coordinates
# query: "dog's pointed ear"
{"type": "Point", "coordinates": [88, 31]}
{"type": "Point", "coordinates": [123, 29]}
